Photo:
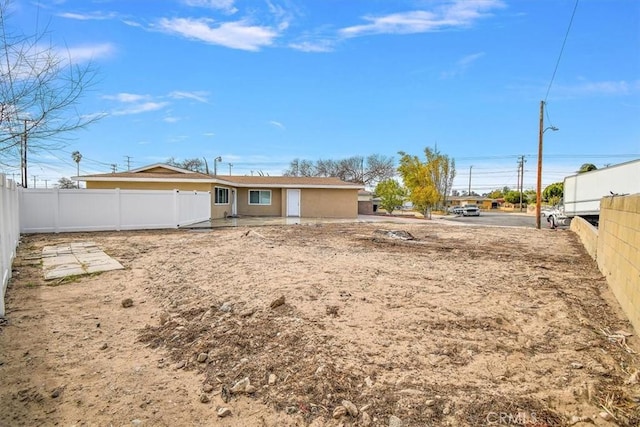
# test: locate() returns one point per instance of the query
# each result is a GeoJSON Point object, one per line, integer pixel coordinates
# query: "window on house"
{"type": "Point", "coordinates": [222, 196]}
{"type": "Point", "coordinates": [259, 197]}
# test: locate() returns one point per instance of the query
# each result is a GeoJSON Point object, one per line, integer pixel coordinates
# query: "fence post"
{"type": "Point", "coordinates": [176, 207]}
{"type": "Point", "coordinates": [5, 263]}
{"type": "Point", "coordinates": [118, 209]}
{"type": "Point", "coordinates": [56, 211]}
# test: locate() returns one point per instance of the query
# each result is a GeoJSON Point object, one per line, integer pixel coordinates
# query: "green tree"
{"type": "Point", "coordinates": [553, 193]}
{"type": "Point", "coordinates": [428, 182]}
{"type": "Point", "coordinates": [587, 167]}
{"type": "Point", "coordinates": [495, 194]}
{"type": "Point", "coordinates": [513, 197]}
{"type": "Point", "coordinates": [530, 196]}
{"type": "Point", "coordinates": [391, 194]}
{"type": "Point", "coordinates": [498, 193]}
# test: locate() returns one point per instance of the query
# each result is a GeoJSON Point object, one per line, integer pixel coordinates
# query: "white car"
{"type": "Point", "coordinates": [470, 210]}
{"type": "Point", "coordinates": [456, 210]}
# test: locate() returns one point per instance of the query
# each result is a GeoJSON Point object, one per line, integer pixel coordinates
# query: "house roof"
{"type": "Point", "coordinates": [281, 181]}
{"type": "Point", "coordinates": [468, 198]}
{"type": "Point", "coordinates": [166, 173]}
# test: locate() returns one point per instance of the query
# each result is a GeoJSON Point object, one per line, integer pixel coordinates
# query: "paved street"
{"type": "Point", "coordinates": [498, 219]}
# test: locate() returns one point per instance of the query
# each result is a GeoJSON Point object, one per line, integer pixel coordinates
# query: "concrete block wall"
{"type": "Point", "coordinates": [587, 233]}
{"type": "Point", "coordinates": [618, 251]}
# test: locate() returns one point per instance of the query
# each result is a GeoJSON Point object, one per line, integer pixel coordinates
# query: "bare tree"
{"type": "Point", "coordinates": [368, 171]}
{"type": "Point", "coordinates": [299, 167]}
{"type": "Point", "coordinates": [40, 90]}
{"type": "Point", "coordinates": [195, 164]}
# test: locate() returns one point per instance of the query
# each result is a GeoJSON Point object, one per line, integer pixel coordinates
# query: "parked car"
{"type": "Point", "coordinates": [470, 210]}
{"type": "Point", "coordinates": [549, 211]}
{"type": "Point", "coordinates": [456, 210]}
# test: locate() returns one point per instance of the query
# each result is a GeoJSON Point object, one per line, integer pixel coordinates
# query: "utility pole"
{"type": "Point", "coordinates": [521, 178]}
{"type": "Point", "coordinates": [23, 155]}
{"type": "Point", "coordinates": [34, 181]}
{"type": "Point", "coordinates": [539, 182]}
{"type": "Point", "coordinates": [114, 167]}
{"type": "Point", "coordinates": [230, 166]}
{"type": "Point", "coordinates": [128, 162]}
{"type": "Point", "coordinates": [45, 183]}
{"type": "Point", "coordinates": [470, 167]}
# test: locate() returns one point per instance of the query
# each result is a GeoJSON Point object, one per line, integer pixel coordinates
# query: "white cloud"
{"type": "Point", "coordinates": [131, 23]}
{"type": "Point", "coordinates": [92, 16]}
{"type": "Point", "coordinates": [609, 88]}
{"type": "Point", "coordinates": [449, 14]}
{"type": "Point", "coordinates": [235, 35]}
{"type": "Point", "coordinates": [282, 16]}
{"type": "Point", "coordinates": [127, 97]}
{"type": "Point", "coordinates": [89, 52]}
{"type": "Point", "coordinates": [313, 46]}
{"type": "Point", "coordinates": [224, 5]}
{"type": "Point", "coordinates": [469, 59]}
{"type": "Point", "coordinates": [171, 119]}
{"type": "Point", "coordinates": [135, 103]}
{"type": "Point", "coordinates": [209, 134]}
{"type": "Point", "coordinates": [277, 124]}
{"type": "Point", "coordinates": [144, 107]}
{"type": "Point", "coordinates": [461, 65]}
{"type": "Point", "coordinates": [197, 96]}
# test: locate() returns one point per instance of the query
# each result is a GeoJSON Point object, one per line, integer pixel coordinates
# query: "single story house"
{"type": "Point", "coordinates": [482, 202]}
{"type": "Point", "coordinates": [231, 195]}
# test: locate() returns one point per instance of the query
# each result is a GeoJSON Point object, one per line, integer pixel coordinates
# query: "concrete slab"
{"type": "Point", "coordinates": [75, 259]}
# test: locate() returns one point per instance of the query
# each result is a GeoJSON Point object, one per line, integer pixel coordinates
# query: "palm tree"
{"type": "Point", "coordinates": [76, 156]}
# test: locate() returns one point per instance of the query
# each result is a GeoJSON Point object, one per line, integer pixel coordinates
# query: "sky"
{"type": "Point", "coordinates": [260, 83]}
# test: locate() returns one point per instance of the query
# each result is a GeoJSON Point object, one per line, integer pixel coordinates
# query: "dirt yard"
{"type": "Point", "coordinates": [322, 325]}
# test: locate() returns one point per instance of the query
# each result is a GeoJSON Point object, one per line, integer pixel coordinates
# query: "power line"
{"type": "Point", "coordinates": [561, 50]}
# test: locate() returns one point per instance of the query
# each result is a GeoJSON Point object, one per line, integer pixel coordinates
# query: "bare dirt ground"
{"type": "Point", "coordinates": [323, 325]}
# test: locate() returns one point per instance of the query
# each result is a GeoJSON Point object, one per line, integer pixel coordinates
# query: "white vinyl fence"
{"type": "Point", "coordinates": [9, 231]}
{"type": "Point", "coordinates": [54, 210]}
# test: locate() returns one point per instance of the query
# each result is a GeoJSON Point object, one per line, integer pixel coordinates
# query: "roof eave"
{"type": "Point", "coordinates": [216, 181]}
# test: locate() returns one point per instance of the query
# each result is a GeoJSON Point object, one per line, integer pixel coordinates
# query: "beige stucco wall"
{"type": "Point", "coordinates": [618, 253]}
{"type": "Point", "coordinates": [220, 210]}
{"type": "Point", "coordinates": [124, 185]}
{"type": "Point", "coordinates": [328, 203]}
{"type": "Point", "coordinates": [274, 209]}
{"type": "Point", "coordinates": [587, 233]}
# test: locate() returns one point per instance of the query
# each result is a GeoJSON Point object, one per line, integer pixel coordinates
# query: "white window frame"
{"type": "Point", "coordinates": [260, 198]}
{"type": "Point", "coordinates": [215, 195]}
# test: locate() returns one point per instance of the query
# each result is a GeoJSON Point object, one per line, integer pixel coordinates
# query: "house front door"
{"type": "Point", "coordinates": [293, 202]}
